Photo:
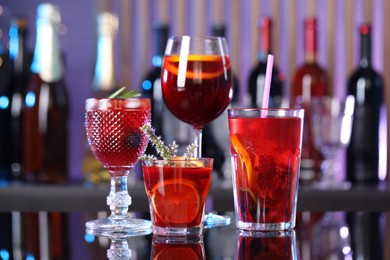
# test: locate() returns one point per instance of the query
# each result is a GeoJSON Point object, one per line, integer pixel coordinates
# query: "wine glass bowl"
{"type": "Point", "coordinates": [332, 127]}
{"type": "Point", "coordinates": [116, 140]}
{"type": "Point", "coordinates": [197, 84]}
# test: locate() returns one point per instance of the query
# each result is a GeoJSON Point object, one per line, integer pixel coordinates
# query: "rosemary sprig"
{"type": "Point", "coordinates": [166, 152]}
{"type": "Point", "coordinates": [190, 151]}
{"type": "Point", "coordinates": [122, 93]}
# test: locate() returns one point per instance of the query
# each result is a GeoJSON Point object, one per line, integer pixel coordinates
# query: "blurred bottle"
{"type": "Point", "coordinates": [220, 31]}
{"type": "Point", "coordinates": [216, 142]}
{"type": "Point", "coordinates": [310, 80]}
{"type": "Point", "coordinates": [46, 105]}
{"type": "Point", "coordinates": [166, 125]}
{"type": "Point", "coordinates": [256, 79]}
{"type": "Point", "coordinates": [20, 60]}
{"type": "Point", "coordinates": [45, 235]}
{"type": "Point", "coordinates": [366, 234]}
{"type": "Point", "coordinates": [330, 238]}
{"type": "Point", "coordinates": [103, 85]}
{"type": "Point", "coordinates": [5, 117]}
{"type": "Point", "coordinates": [6, 251]}
{"type": "Point", "coordinates": [151, 85]}
{"type": "Point", "coordinates": [368, 88]}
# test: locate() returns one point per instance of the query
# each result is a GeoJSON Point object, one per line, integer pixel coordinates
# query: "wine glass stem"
{"type": "Point", "coordinates": [119, 198]}
{"type": "Point", "coordinates": [198, 142]}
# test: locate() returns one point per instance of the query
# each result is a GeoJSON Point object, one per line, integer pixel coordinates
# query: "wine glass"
{"type": "Point", "coordinates": [197, 86]}
{"type": "Point", "coordinates": [331, 125]}
{"type": "Point", "coordinates": [196, 80]}
{"type": "Point", "coordinates": [114, 136]}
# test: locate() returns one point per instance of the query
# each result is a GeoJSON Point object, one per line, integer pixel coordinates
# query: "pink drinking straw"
{"type": "Point", "coordinates": [267, 84]}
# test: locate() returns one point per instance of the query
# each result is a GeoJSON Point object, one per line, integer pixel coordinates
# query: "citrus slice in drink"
{"type": "Point", "coordinates": [176, 201]}
{"type": "Point", "coordinates": [183, 162]}
{"type": "Point", "coordinates": [244, 156]}
{"type": "Point", "coordinates": [171, 64]}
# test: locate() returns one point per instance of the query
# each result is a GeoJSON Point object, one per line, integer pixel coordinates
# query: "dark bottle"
{"type": "Point", "coordinates": [310, 80]}
{"type": "Point", "coordinates": [151, 85]}
{"type": "Point", "coordinates": [367, 236]}
{"type": "Point", "coordinates": [6, 236]}
{"type": "Point", "coordinates": [19, 61]}
{"type": "Point", "coordinates": [5, 117]}
{"type": "Point", "coordinates": [220, 31]}
{"type": "Point", "coordinates": [256, 79]}
{"type": "Point", "coordinates": [367, 87]}
{"type": "Point", "coordinates": [46, 105]}
{"type": "Point", "coordinates": [103, 85]}
{"type": "Point", "coordinates": [164, 122]}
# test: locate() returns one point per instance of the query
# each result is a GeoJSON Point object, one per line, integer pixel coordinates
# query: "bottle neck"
{"type": "Point", "coordinates": [161, 42]}
{"type": "Point", "coordinates": [17, 49]}
{"type": "Point", "coordinates": [365, 46]}
{"type": "Point", "coordinates": [265, 40]}
{"type": "Point", "coordinates": [104, 78]}
{"type": "Point", "coordinates": [310, 40]}
{"type": "Point", "coordinates": [47, 61]}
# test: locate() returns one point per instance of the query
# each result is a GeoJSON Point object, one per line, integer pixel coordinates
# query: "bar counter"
{"type": "Point", "coordinates": [322, 214]}
{"type": "Point", "coordinates": [89, 198]}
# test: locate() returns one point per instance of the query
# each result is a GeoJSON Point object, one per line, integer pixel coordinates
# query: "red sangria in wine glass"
{"type": "Point", "coordinates": [196, 80]}
{"type": "Point", "coordinates": [114, 135]}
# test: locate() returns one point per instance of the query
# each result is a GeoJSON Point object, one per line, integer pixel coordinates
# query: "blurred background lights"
{"type": "Point", "coordinates": [89, 238]}
{"type": "Point", "coordinates": [344, 232]}
{"type": "Point", "coordinates": [4, 255]}
{"type": "Point", "coordinates": [146, 84]}
{"type": "Point", "coordinates": [4, 102]}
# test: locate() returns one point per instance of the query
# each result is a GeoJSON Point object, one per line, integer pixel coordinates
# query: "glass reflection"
{"type": "Point", "coordinates": [266, 245]}
{"type": "Point", "coordinates": [189, 248]}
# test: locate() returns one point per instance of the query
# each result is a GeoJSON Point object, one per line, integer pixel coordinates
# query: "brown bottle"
{"type": "Point", "coordinates": [310, 80]}
{"type": "Point", "coordinates": [46, 105]}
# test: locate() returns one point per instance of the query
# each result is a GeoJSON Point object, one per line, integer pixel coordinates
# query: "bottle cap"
{"type": "Point", "coordinates": [48, 12]}
{"type": "Point", "coordinates": [365, 29]}
{"type": "Point", "coordinates": [108, 23]}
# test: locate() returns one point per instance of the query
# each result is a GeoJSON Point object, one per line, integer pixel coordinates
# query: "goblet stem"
{"type": "Point", "coordinates": [119, 249]}
{"type": "Point", "coordinates": [198, 142]}
{"type": "Point", "coordinates": [119, 199]}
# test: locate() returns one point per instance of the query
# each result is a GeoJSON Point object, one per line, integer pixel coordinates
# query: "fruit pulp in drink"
{"type": "Point", "coordinates": [177, 193]}
{"type": "Point", "coordinates": [114, 134]}
{"type": "Point", "coordinates": [200, 92]}
{"type": "Point", "coordinates": [266, 158]}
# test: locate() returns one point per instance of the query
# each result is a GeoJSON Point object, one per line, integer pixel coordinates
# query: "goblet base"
{"type": "Point", "coordinates": [119, 226]}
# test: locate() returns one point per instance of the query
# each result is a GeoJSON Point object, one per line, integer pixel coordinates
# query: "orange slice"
{"type": "Point", "coordinates": [193, 163]}
{"type": "Point", "coordinates": [169, 64]}
{"type": "Point", "coordinates": [176, 201]}
{"type": "Point", "coordinates": [244, 156]}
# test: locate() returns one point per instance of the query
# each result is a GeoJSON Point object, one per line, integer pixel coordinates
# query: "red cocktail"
{"type": "Point", "coordinates": [177, 192]}
{"type": "Point", "coordinates": [113, 130]}
{"type": "Point", "coordinates": [196, 80]}
{"type": "Point", "coordinates": [266, 150]}
{"type": "Point", "coordinates": [206, 92]}
{"type": "Point", "coordinates": [114, 135]}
